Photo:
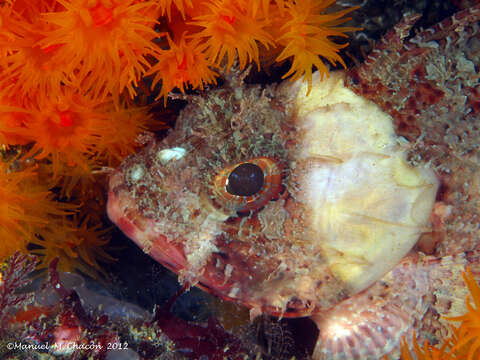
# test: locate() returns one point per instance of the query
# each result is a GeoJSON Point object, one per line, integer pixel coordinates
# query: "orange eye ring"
{"type": "Point", "coordinates": [272, 185]}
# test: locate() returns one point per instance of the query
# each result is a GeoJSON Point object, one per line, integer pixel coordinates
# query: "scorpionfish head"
{"type": "Point", "coordinates": [284, 202]}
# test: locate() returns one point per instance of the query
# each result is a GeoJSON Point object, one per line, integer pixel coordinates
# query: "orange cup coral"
{"type": "Point", "coordinates": [25, 208]}
{"type": "Point", "coordinates": [103, 43]}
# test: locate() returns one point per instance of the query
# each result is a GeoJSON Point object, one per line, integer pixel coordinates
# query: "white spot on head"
{"type": "Point", "coordinates": [174, 153]}
{"type": "Point", "coordinates": [137, 173]}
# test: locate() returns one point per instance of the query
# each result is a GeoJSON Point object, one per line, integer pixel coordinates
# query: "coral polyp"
{"type": "Point", "coordinates": [305, 34]}
{"type": "Point", "coordinates": [182, 66]}
{"type": "Point", "coordinates": [232, 29]}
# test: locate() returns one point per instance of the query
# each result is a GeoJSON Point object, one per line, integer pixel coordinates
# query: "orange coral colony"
{"type": "Point", "coordinates": [239, 30]}
{"type": "Point", "coordinates": [70, 71]}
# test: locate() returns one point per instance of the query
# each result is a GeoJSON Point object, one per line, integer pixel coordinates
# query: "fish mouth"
{"type": "Point", "coordinates": [227, 273]}
{"type": "Point", "coordinates": [122, 210]}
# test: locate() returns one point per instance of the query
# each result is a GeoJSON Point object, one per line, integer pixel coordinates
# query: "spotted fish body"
{"type": "Point", "coordinates": [318, 245]}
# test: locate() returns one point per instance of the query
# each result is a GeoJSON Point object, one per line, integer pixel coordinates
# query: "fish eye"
{"type": "Point", "coordinates": [245, 180]}
{"type": "Point", "coordinates": [248, 185]}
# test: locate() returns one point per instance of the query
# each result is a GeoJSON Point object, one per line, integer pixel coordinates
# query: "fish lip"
{"type": "Point", "coordinates": [121, 211]}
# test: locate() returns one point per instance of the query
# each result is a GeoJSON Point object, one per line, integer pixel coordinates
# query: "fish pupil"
{"type": "Point", "coordinates": [245, 180]}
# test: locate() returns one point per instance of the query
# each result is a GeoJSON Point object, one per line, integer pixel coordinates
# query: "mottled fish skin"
{"type": "Point", "coordinates": [409, 299]}
{"type": "Point", "coordinates": [429, 85]}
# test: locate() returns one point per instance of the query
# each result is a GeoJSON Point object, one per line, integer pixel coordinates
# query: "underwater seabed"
{"type": "Point", "coordinates": [136, 308]}
{"type": "Point", "coordinates": [68, 315]}
{"type": "Point", "coordinates": [73, 316]}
